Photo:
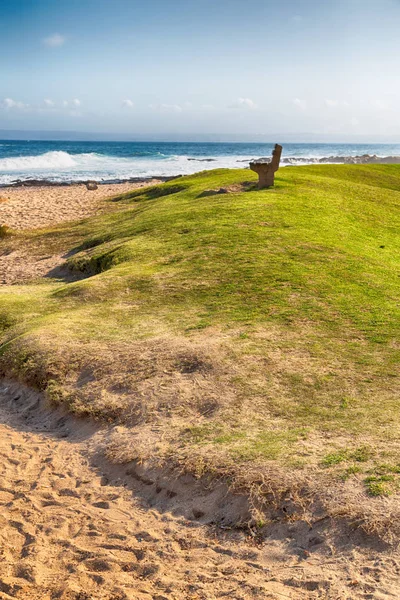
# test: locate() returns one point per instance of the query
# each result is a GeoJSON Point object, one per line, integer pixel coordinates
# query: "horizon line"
{"type": "Point", "coordinates": [233, 138]}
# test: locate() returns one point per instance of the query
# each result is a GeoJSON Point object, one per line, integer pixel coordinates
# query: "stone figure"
{"type": "Point", "coordinates": [266, 168]}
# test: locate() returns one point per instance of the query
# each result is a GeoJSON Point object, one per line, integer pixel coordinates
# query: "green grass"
{"type": "Point", "coordinates": [248, 326]}
{"type": "Point", "coordinates": [362, 454]}
{"type": "Point", "coordinates": [379, 486]}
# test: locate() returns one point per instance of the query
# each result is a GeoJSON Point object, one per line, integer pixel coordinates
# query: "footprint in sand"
{"type": "Point", "coordinates": [57, 543]}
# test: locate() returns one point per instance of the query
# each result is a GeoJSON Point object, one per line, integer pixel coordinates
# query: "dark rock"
{"type": "Point", "coordinates": [91, 185]}
{"type": "Point", "coordinates": [198, 514]}
{"type": "Point", "coordinates": [203, 159]}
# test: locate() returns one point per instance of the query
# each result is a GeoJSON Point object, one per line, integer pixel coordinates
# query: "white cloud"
{"type": "Point", "coordinates": [55, 40]}
{"type": "Point", "coordinates": [300, 104]}
{"type": "Point", "coordinates": [329, 103]}
{"type": "Point", "coordinates": [46, 105]}
{"type": "Point", "coordinates": [171, 108]}
{"type": "Point", "coordinates": [127, 103]}
{"type": "Point", "coordinates": [246, 103]}
{"type": "Point", "coordinates": [175, 108]}
{"type": "Point", "coordinates": [10, 103]}
{"type": "Point", "coordinates": [75, 103]}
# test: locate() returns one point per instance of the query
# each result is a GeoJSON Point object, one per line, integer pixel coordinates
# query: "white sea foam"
{"type": "Point", "coordinates": [61, 166]}
{"type": "Point", "coordinates": [50, 160]}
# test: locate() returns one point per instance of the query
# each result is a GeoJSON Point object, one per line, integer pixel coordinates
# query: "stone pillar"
{"type": "Point", "coordinates": [266, 168]}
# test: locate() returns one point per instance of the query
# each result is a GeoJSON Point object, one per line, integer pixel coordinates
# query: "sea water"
{"type": "Point", "coordinates": [63, 161]}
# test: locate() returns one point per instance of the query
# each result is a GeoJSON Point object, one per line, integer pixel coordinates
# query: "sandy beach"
{"type": "Point", "coordinates": [24, 208]}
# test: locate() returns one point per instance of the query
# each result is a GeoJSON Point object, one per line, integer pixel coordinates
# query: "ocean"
{"type": "Point", "coordinates": [67, 162]}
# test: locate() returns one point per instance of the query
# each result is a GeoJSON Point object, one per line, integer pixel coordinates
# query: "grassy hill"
{"type": "Point", "coordinates": [230, 332]}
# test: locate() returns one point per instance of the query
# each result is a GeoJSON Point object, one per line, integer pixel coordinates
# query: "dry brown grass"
{"type": "Point", "coordinates": [144, 381]}
{"type": "Point", "coordinates": [184, 403]}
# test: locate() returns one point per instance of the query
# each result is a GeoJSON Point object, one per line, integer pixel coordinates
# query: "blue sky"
{"type": "Point", "coordinates": [201, 66]}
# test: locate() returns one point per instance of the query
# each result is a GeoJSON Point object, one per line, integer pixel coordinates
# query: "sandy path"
{"type": "Point", "coordinates": [64, 534]}
{"type": "Point", "coordinates": [31, 207]}
{"type": "Point", "coordinates": [71, 532]}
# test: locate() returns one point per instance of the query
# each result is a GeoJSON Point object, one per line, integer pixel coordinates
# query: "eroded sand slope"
{"type": "Point", "coordinates": [70, 531]}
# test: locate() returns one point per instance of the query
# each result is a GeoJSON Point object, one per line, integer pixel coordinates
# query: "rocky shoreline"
{"type": "Point", "coordinates": [364, 159]}
{"type": "Point", "coordinates": [40, 183]}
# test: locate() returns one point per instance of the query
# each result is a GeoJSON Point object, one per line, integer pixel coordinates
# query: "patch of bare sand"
{"type": "Point", "coordinates": [16, 266]}
{"type": "Point", "coordinates": [77, 528]}
{"type": "Point", "coordinates": [33, 207]}
{"type": "Point", "coordinates": [24, 208]}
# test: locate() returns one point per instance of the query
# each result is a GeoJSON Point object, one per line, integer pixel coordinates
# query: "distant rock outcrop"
{"type": "Point", "coordinates": [364, 159]}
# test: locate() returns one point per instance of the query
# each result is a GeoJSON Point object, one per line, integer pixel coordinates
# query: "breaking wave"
{"type": "Point", "coordinates": [60, 166]}
{"type": "Point", "coordinates": [117, 162]}
{"type": "Point", "coordinates": [50, 160]}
